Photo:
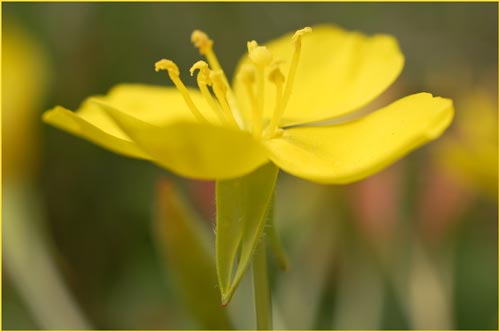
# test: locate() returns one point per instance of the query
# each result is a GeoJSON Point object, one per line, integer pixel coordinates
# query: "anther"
{"type": "Point", "coordinates": [201, 41]}
{"type": "Point", "coordinates": [261, 56]}
{"type": "Point", "coordinates": [203, 75]}
{"type": "Point", "coordinates": [173, 73]}
{"type": "Point", "coordinates": [297, 36]}
{"type": "Point", "coordinates": [201, 65]}
{"type": "Point", "coordinates": [251, 45]}
{"type": "Point", "coordinates": [167, 65]}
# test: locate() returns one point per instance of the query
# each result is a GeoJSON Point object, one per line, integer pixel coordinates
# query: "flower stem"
{"type": "Point", "coordinates": [261, 288]}
{"type": "Point", "coordinates": [275, 243]}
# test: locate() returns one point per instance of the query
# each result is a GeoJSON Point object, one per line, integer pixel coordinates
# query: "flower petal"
{"type": "Point", "coordinates": [339, 71]}
{"type": "Point", "coordinates": [351, 151]}
{"type": "Point", "coordinates": [151, 104]}
{"type": "Point", "coordinates": [194, 149]}
{"type": "Point", "coordinates": [101, 131]}
{"type": "Point", "coordinates": [155, 104]}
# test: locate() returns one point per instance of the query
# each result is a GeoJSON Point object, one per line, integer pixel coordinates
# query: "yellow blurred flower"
{"type": "Point", "coordinates": [470, 152]}
{"type": "Point", "coordinates": [267, 115]}
{"type": "Point", "coordinates": [24, 73]}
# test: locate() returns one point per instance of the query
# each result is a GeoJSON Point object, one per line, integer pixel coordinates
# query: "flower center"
{"type": "Point", "coordinates": [252, 75]}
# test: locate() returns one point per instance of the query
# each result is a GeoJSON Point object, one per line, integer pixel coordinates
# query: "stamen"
{"type": "Point", "coordinates": [277, 77]}
{"type": "Point", "coordinates": [173, 73]}
{"type": "Point", "coordinates": [247, 76]}
{"type": "Point", "coordinates": [205, 45]}
{"type": "Point", "coordinates": [203, 79]}
{"type": "Point", "coordinates": [220, 89]}
{"type": "Point", "coordinates": [261, 57]}
{"type": "Point", "coordinates": [297, 40]}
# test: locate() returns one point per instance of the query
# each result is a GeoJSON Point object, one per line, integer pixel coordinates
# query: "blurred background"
{"type": "Point", "coordinates": [414, 247]}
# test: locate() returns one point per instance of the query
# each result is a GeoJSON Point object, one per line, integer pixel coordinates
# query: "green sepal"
{"type": "Point", "coordinates": [242, 207]}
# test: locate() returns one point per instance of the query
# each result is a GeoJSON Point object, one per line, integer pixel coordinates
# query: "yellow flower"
{"type": "Point", "coordinates": [279, 91]}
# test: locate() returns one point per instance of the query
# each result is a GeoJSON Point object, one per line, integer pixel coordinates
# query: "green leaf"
{"type": "Point", "coordinates": [242, 207]}
{"type": "Point", "coordinates": [185, 244]}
